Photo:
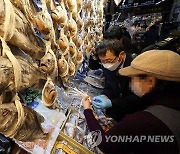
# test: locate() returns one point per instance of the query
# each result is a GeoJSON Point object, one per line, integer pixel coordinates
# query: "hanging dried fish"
{"type": "Point", "coordinates": [20, 122]}
{"type": "Point", "coordinates": [72, 26]}
{"type": "Point", "coordinates": [63, 67]}
{"type": "Point", "coordinates": [47, 63]}
{"type": "Point", "coordinates": [72, 49]}
{"type": "Point", "coordinates": [30, 75]}
{"type": "Point", "coordinates": [15, 28]}
{"type": "Point", "coordinates": [43, 22]}
{"type": "Point", "coordinates": [79, 5]}
{"type": "Point", "coordinates": [80, 23]}
{"type": "Point", "coordinates": [63, 42]}
{"type": "Point", "coordinates": [59, 14]}
{"type": "Point", "coordinates": [72, 68]}
{"type": "Point", "coordinates": [49, 93]}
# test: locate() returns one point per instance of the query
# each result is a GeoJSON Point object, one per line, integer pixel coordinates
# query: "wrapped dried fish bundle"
{"type": "Point", "coordinates": [47, 63]}
{"type": "Point", "coordinates": [87, 6]}
{"type": "Point", "coordinates": [72, 68]}
{"type": "Point", "coordinates": [79, 5]}
{"type": "Point", "coordinates": [44, 23]}
{"type": "Point", "coordinates": [20, 122]}
{"type": "Point", "coordinates": [72, 26]}
{"type": "Point", "coordinates": [30, 75]}
{"type": "Point", "coordinates": [80, 23]}
{"type": "Point", "coordinates": [63, 42]}
{"type": "Point", "coordinates": [72, 49]}
{"type": "Point", "coordinates": [49, 93]}
{"type": "Point", "coordinates": [63, 67]}
{"type": "Point", "coordinates": [66, 55]}
{"type": "Point", "coordinates": [74, 60]}
{"type": "Point", "coordinates": [78, 41]}
{"type": "Point", "coordinates": [15, 28]}
{"type": "Point", "coordinates": [79, 60]}
{"type": "Point", "coordinates": [72, 5]}
{"type": "Point", "coordinates": [60, 16]}
{"type": "Point", "coordinates": [90, 36]}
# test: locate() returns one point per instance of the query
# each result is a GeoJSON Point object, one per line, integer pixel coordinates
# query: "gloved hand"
{"type": "Point", "coordinates": [101, 102]}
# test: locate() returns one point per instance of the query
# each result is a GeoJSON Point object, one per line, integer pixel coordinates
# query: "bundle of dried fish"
{"type": "Point", "coordinates": [65, 79]}
{"type": "Point", "coordinates": [47, 63]}
{"type": "Point", "coordinates": [7, 20]}
{"type": "Point", "coordinates": [63, 42]}
{"type": "Point", "coordinates": [72, 68]}
{"type": "Point", "coordinates": [20, 122]}
{"type": "Point", "coordinates": [63, 67]}
{"type": "Point", "coordinates": [79, 5]}
{"type": "Point", "coordinates": [15, 28]}
{"type": "Point", "coordinates": [72, 26]}
{"type": "Point", "coordinates": [43, 22]}
{"type": "Point", "coordinates": [78, 41]}
{"type": "Point", "coordinates": [80, 23]}
{"type": "Point", "coordinates": [71, 5]}
{"type": "Point", "coordinates": [30, 75]}
{"type": "Point", "coordinates": [79, 59]}
{"type": "Point", "coordinates": [49, 93]}
{"type": "Point", "coordinates": [50, 4]}
{"type": "Point", "coordinates": [28, 7]}
{"type": "Point", "coordinates": [72, 49]}
{"type": "Point", "coordinates": [60, 16]}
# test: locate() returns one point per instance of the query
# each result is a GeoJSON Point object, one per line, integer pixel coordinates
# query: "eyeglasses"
{"type": "Point", "coordinates": [109, 61]}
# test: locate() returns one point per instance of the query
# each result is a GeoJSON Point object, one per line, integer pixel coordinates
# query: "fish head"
{"type": "Point", "coordinates": [47, 63]}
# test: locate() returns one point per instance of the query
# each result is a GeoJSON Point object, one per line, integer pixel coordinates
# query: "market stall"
{"type": "Point", "coordinates": [43, 44]}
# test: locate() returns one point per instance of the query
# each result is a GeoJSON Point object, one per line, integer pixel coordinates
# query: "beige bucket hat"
{"type": "Point", "coordinates": [162, 64]}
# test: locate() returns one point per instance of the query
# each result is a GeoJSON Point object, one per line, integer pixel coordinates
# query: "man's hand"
{"type": "Point", "coordinates": [101, 102]}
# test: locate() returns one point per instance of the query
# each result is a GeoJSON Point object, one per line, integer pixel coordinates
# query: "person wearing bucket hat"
{"type": "Point", "coordinates": [155, 128]}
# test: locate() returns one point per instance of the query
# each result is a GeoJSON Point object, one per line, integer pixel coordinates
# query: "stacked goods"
{"type": "Point", "coordinates": [68, 29]}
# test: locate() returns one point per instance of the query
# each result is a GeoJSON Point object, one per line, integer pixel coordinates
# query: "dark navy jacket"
{"type": "Point", "coordinates": [117, 90]}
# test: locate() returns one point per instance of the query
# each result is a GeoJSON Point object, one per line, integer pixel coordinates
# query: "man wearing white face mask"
{"type": "Point", "coordinates": [116, 97]}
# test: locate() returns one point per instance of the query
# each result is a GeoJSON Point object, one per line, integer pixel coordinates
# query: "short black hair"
{"type": "Point", "coordinates": [115, 46]}
{"type": "Point", "coordinates": [113, 32]}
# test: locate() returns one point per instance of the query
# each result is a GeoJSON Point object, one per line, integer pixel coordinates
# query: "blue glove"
{"type": "Point", "coordinates": [101, 102]}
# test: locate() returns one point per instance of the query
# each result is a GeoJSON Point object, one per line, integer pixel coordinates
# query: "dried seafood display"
{"type": "Point", "coordinates": [49, 93]}
{"type": "Point", "coordinates": [76, 126]}
{"type": "Point", "coordinates": [20, 122]}
{"type": "Point", "coordinates": [55, 36]}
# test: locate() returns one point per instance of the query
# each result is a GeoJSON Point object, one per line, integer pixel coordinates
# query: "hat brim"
{"type": "Point", "coordinates": [130, 71]}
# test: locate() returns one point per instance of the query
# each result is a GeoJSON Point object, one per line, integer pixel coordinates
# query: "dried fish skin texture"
{"type": "Point", "coordinates": [47, 63]}
{"type": "Point", "coordinates": [30, 75]}
{"type": "Point", "coordinates": [29, 130]}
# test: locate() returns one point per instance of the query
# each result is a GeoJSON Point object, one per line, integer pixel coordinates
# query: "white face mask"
{"type": "Point", "coordinates": [111, 66]}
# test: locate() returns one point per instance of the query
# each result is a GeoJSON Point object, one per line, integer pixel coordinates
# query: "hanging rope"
{"type": "Point", "coordinates": [13, 131]}
{"type": "Point", "coordinates": [16, 66]}
{"type": "Point", "coordinates": [9, 22]}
